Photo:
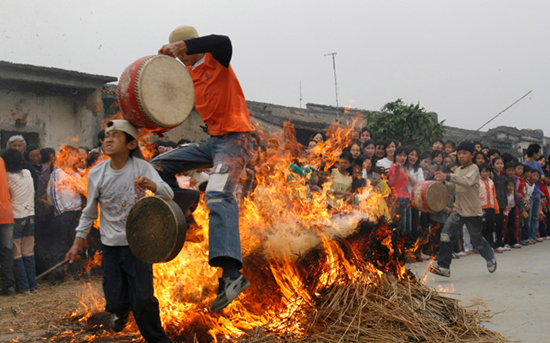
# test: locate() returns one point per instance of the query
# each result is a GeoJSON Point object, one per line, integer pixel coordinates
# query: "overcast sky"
{"type": "Point", "coordinates": [466, 60]}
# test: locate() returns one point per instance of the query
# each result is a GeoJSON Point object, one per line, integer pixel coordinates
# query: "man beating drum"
{"type": "Point", "coordinates": [220, 101]}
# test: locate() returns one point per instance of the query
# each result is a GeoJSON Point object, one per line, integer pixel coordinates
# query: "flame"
{"type": "Point", "coordinates": [282, 225]}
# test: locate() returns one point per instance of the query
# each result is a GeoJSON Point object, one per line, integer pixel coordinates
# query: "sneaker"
{"type": "Point", "coordinates": [118, 321]}
{"type": "Point", "coordinates": [507, 247]}
{"type": "Point", "coordinates": [437, 270]}
{"type": "Point", "coordinates": [455, 256]}
{"type": "Point", "coordinates": [462, 253]}
{"type": "Point", "coordinates": [492, 265]}
{"type": "Point", "coordinates": [499, 250]}
{"type": "Point", "coordinates": [517, 246]}
{"type": "Point", "coordinates": [532, 241]}
{"type": "Point", "coordinates": [547, 237]}
{"type": "Point", "coordinates": [228, 291]}
{"type": "Point", "coordinates": [539, 239]}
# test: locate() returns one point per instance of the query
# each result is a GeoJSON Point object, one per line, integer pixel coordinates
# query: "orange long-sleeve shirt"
{"type": "Point", "coordinates": [488, 195]}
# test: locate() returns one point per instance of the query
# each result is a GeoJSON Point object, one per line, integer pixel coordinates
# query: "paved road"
{"type": "Point", "coordinates": [517, 294]}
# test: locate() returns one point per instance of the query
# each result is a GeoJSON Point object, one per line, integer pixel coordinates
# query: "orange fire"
{"type": "Point", "coordinates": [293, 246]}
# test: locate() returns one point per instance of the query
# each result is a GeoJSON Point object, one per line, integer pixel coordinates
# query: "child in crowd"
{"type": "Point", "coordinates": [116, 184]}
{"type": "Point", "coordinates": [387, 162]}
{"type": "Point", "coordinates": [415, 174]}
{"type": "Point", "coordinates": [381, 187]}
{"type": "Point", "coordinates": [438, 144]}
{"type": "Point", "coordinates": [398, 181]}
{"type": "Point", "coordinates": [479, 158]}
{"type": "Point", "coordinates": [368, 150]}
{"type": "Point", "coordinates": [379, 151]}
{"type": "Point", "coordinates": [466, 210]}
{"type": "Point", "coordinates": [21, 189]}
{"type": "Point", "coordinates": [488, 199]}
{"type": "Point", "coordinates": [357, 183]}
{"type": "Point", "coordinates": [426, 165]}
{"type": "Point", "coordinates": [364, 137]}
{"type": "Point", "coordinates": [477, 145]}
{"type": "Point", "coordinates": [437, 158]}
{"type": "Point", "coordinates": [510, 222]}
{"type": "Point", "coordinates": [531, 194]}
{"type": "Point", "coordinates": [447, 161]}
{"type": "Point", "coordinates": [355, 151]}
{"type": "Point", "coordinates": [340, 181]}
{"type": "Point", "coordinates": [499, 179]}
{"type": "Point", "coordinates": [510, 216]}
{"type": "Point", "coordinates": [492, 154]}
{"type": "Point", "coordinates": [450, 148]}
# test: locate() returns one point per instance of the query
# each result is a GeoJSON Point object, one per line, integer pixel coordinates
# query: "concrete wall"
{"type": "Point", "coordinates": [57, 119]}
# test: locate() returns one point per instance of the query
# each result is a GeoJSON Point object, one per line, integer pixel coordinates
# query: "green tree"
{"type": "Point", "coordinates": [410, 124]}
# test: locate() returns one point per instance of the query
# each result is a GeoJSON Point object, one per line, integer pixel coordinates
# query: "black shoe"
{"type": "Point", "coordinates": [118, 321]}
{"type": "Point", "coordinates": [10, 291]}
{"type": "Point", "coordinates": [228, 291]}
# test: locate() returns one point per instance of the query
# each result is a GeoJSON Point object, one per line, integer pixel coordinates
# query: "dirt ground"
{"type": "Point", "coordinates": [53, 315]}
{"type": "Point", "coordinates": [515, 298]}
{"type": "Point", "coordinates": [516, 295]}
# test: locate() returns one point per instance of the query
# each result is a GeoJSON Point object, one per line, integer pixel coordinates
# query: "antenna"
{"type": "Point", "coordinates": [333, 54]}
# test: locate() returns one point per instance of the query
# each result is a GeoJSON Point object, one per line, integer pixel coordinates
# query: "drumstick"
{"type": "Point", "coordinates": [52, 269]}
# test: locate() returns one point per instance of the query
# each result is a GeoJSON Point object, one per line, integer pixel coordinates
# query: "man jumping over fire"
{"type": "Point", "coordinates": [220, 101]}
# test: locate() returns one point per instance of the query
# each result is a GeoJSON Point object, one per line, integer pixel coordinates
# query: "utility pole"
{"type": "Point", "coordinates": [300, 93]}
{"type": "Point", "coordinates": [333, 54]}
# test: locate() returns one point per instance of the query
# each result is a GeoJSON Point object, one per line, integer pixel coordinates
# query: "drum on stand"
{"type": "Point", "coordinates": [156, 93]}
{"type": "Point", "coordinates": [429, 196]}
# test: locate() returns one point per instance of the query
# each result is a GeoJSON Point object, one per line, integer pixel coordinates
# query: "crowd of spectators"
{"type": "Point", "coordinates": [42, 194]}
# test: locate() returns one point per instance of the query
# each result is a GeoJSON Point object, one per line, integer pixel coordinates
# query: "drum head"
{"type": "Point", "coordinates": [153, 229]}
{"type": "Point", "coordinates": [437, 196]}
{"type": "Point", "coordinates": [165, 91]}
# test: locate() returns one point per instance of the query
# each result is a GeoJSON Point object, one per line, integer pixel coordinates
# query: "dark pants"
{"type": "Point", "coordinates": [44, 239]}
{"type": "Point", "coordinates": [450, 229]}
{"type": "Point", "coordinates": [64, 233]}
{"type": "Point", "coordinates": [512, 235]}
{"type": "Point", "coordinates": [499, 226]}
{"type": "Point", "coordinates": [489, 226]}
{"type": "Point", "coordinates": [6, 256]}
{"type": "Point", "coordinates": [128, 285]}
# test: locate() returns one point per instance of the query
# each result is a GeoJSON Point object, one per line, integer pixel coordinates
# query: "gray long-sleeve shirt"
{"type": "Point", "coordinates": [116, 193]}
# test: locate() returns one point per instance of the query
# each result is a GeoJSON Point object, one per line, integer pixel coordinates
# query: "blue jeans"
{"type": "Point", "coordinates": [450, 230]}
{"type": "Point", "coordinates": [533, 219]}
{"type": "Point", "coordinates": [405, 214]}
{"type": "Point", "coordinates": [227, 155]}
{"type": "Point", "coordinates": [24, 267]}
{"type": "Point", "coordinates": [128, 285]}
{"type": "Point", "coordinates": [6, 256]}
{"type": "Point", "coordinates": [531, 223]}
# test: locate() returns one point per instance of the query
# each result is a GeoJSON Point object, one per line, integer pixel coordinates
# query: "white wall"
{"type": "Point", "coordinates": [52, 117]}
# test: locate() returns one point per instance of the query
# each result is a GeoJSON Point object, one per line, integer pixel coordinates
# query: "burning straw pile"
{"type": "Point", "coordinates": [373, 305]}
{"type": "Point", "coordinates": [316, 275]}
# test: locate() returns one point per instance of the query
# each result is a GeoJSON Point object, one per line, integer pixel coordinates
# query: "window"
{"type": "Point", "coordinates": [501, 145]}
